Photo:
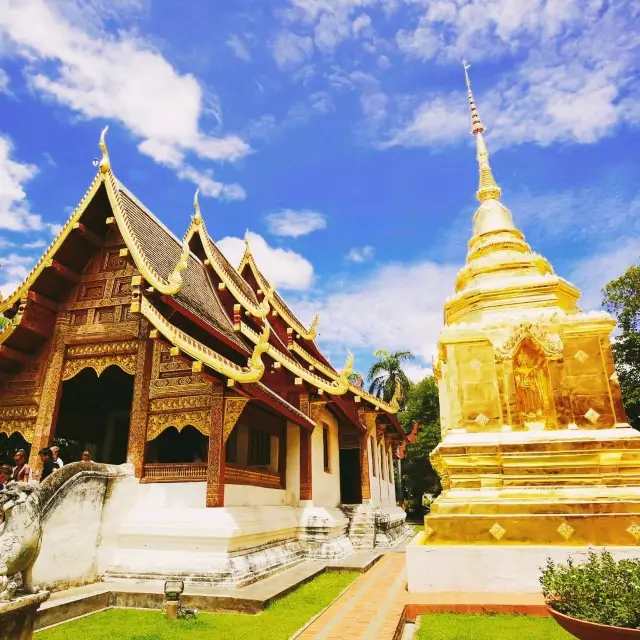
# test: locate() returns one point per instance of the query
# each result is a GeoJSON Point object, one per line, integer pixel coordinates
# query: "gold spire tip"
{"type": "Point", "coordinates": [105, 164]}
{"type": "Point", "coordinates": [476, 124]}
{"type": "Point", "coordinates": [197, 215]}
{"type": "Point", "coordinates": [246, 239]}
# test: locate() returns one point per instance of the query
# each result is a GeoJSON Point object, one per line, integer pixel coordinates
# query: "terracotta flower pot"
{"type": "Point", "coordinates": [584, 630]}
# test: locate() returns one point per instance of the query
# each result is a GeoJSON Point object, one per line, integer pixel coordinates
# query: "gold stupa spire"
{"type": "Point", "coordinates": [488, 189]}
{"type": "Point", "coordinates": [197, 214]}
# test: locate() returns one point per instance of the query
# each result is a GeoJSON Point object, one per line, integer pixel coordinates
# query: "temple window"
{"type": "Point", "coordinates": [259, 454]}
{"type": "Point", "coordinates": [173, 446]}
{"type": "Point", "coordinates": [325, 448]}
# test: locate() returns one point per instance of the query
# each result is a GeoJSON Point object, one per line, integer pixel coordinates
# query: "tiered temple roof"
{"type": "Point", "coordinates": [229, 323]}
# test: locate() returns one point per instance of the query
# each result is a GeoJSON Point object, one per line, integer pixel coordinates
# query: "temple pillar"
{"type": "Point", "coordinates": [140, 401]}
{"type": "Point", "coordinates": [51, 393]}
{"type": "Point", "coordinates": [306, 479]}
{"type": "Point", "coordinates": [216, 458]}
{"type": "Point", "coordinates": [365, 482]}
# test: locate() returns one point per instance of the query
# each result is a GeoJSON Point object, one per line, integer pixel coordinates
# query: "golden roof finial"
{"type": "Point", "coordinates": [197, 215]}
{"type": "Point", "coordinates": [105, 164]}
{"type": "Point", "coordinates": [488, 189]}
{"type": "Point", "coordinates": [313, 329]}
{"type": "Point", "coordinates": [246, 240]}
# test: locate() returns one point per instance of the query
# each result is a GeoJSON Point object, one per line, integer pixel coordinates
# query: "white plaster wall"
{"type": "Point", "coordinates": [78, 531]}
{"type": "Point", "coordinates": [374, 480]}
{"type": "Point", "coordinates": [240, 495]}
{"type": "Point", "coordinates": [293, 464]}
{"type": "Point", "coordinates": [486, 569]}
{"type": "Point", "coordinates": [325, 485]}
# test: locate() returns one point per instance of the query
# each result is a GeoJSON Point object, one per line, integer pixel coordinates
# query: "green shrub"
{"type": "Point", "coordinates": [600, 590]}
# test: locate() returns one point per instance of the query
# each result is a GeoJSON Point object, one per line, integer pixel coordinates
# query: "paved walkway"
{"type": "Point", "coordinates": [370, 609]}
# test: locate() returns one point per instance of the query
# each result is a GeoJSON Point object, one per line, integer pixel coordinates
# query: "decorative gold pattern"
{"type": "Point", "coordinates": [634, 530]}
{"type": "Point", "coordinates": [581, 356]}
{"type": "Point", "coordinates": [475, 364]}
{"type": "Point", "coordinates": [216, 459]}
{"type": "Point", "coordinates": [481, 419]}
{"type": "Point", "coordinates": [73, 367]}
{"type": "Point", "coordinates": [497, 531]}
{"type": "Point", "coordinates": [550, 343]}
{"type": "Point", "coordinates": [317, 408]}
{"type": "Point", "coordinates": [25, 427]}
{"type": "Point", "coordinates": [592, 416]}
{"type": "Point", "coordinates": [175, 472]}
{"type": "Point", "coordinates": [158, 422]}
{"type": "Point", "coordinates": [565, 530]}
{"type": "Point", "coordinates": [233, 408]}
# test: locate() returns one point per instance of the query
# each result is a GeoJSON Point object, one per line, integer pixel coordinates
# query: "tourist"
{"type": "Point", "coordinates": [21, 472]}
{"type": "Point", "coordinates": [5, 475]}
{"type": "Point", "coordinates": [48, 465]}
{"type": "Point", "coordinates": [86, 457]}
{"type": "Point", "coordinates": [56, 458]}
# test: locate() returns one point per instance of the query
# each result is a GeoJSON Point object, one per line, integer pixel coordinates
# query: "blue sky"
{"type": "Point", "coordinates": [337, 132]}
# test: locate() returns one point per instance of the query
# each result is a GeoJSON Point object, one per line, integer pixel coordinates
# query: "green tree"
{"type": "Point", "coordinates": [4, 321]}
{"type": "Point", "coordinates": [386, 376]}
{"type": "Point", "coordinates": [356, 379]}
{"type": "Point", "coordinates": [621, 298]}
{"type": "Point", "coordinates": [418, 476]}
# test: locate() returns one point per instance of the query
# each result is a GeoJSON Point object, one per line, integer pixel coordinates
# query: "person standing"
{"type": "Point", "coordinates": [56, 458]}
{"type": "Point", "coordinates": [86, 457]}
{"type": "Point", "coordinates": [48, 465]}
{"type": "Point", "coordinates": [21, 472]}
{"type": "Point", "coordinates": [5, 475]}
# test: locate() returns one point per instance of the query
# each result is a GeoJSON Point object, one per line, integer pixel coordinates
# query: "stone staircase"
{"type": "Point", "coordinates": [374, 527]}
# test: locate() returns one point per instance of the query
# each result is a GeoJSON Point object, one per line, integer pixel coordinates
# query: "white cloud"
{"type": "Point", "coordinates": [416, 372]}
{"type": "Point", "coordinates": [290, 50]}
{"type": "Point", "coordinates": [15, 268]}
{"type": "Point", "coordinates": [575, 82]}
{"type": "Point", "coordinates": [360, 255]}
{"type": "Point", "coordinates": [119, 77]}
{"type": "Point", "coordinates": [594, 272]}
{"type": "Point", "coordinates": [293, 224]}
{"type": "Point", "coordinates": [36, 244]}
{"type": "Point", "coordinates": [4, 81]}
{"type": "Point", "coordinates": [239, 47]}
{"type": "Point", "coordinates": [14, 208]}
{"type": "Point", "coordinates": [359, 313]}
{"type": "Point", "coordinates": [210, 187]}
{"type": "Point", "coordinates": [361, 25]}
{"type": "Point", "coordinates": [285, 269]}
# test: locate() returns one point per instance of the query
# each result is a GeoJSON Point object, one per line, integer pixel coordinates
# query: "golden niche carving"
{"type": "Point", "coordinates": [233, 408]}
{"type": "Point", "coordinates": [315, 410]}
{"type": "Point", "coordinates": [550, 343]}
{"type": "Point", "coordinates": [99, 356]}
{"type": "Point", "coordinates": [157, 423]}
{"type": "Point", "coordinates": [531, 384]}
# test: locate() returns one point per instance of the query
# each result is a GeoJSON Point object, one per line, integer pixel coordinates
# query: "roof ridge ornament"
{"type": "Point", "coordinates": [488, 188]}
{"type": "Point", "coordinates": [176, 275]}
{"type": "Point", "coordinates": [105, 163]}
{"type": "Point", "coordinates": [197, 214]}
{"type": "Point", "coordinates": [313, 329]}
{"type": "Point", "coordinates": [347, 370]}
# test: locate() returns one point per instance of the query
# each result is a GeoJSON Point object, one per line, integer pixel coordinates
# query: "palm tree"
{"type": "Point", "coordinates": [386, 377]}
{"type": "Point", "coordinates": [356, 379]}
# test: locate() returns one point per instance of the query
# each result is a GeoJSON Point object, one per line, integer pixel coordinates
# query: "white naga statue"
{"type": "Point", "coordinates": [20, 538]}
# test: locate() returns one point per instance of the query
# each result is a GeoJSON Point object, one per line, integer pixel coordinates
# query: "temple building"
{"type": "Point", "coordinates": [248, 449]}
{"type": "Point", "coordinates": [536, 453]}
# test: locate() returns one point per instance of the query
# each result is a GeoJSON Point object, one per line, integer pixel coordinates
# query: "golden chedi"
{"type": "Point", "coordinates": [535, 447]}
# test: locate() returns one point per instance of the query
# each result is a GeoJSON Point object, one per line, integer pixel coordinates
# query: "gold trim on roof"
{"type": "Point", "coordinates": [251, 373]}
{"type": "Point", "coordinates": [198, 226]}
{"type": "Point", "coordinates": [329, 372]}
{"type": "Point", "coordinates": [104, 176]}
{"type": "Point", "coordinates": [271, 296]}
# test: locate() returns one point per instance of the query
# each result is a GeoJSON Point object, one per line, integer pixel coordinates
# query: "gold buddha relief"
{"type": "Point", "coordinates": [529, 372]}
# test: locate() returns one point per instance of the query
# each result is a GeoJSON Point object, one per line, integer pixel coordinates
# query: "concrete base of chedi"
{"type": "Point", "coordinates": [17, 617]}
{"type": "Point", "coordinates": [486, 568]}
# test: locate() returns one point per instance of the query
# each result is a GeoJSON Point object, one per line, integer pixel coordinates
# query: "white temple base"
{"type": "Point", "coordinates": [487, 568]}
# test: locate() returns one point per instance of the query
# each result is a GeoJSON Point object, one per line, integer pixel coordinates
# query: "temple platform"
{"type": "Point", "coordinates": [433, 568]}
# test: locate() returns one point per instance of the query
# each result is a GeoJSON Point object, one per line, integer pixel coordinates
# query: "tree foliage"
{"type": "Point", "coordinates": [418, 477]}
{"type": "Point", "coordinates": [622, 300]}
{"type": "Point", "coordinates": [386, 375]}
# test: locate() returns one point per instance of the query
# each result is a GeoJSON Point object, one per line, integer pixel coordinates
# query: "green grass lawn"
{"type": "Point", "coordinates": [455, 626]}
{"type": "Point", "coordinates": [278, 622]}
{"type": "Point", "coordinates": [418, 527]}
